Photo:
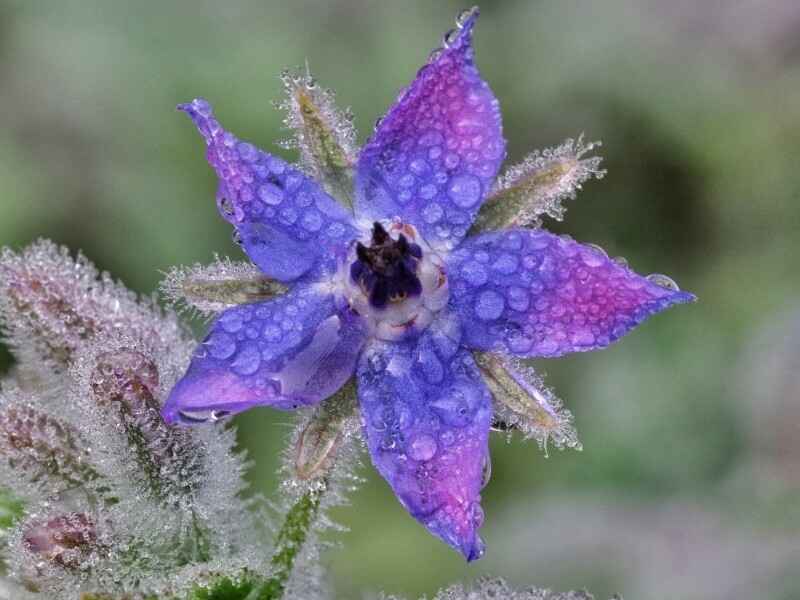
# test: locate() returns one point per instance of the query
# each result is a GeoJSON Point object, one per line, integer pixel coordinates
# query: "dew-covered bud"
{"type": "Point", "coordinates": [65, 540]}
{"type": "Point", "coordinates": [127, 377]}
{"type": "Point", "coordinates": [222, 284]}
{"type": "Point", "coordinates": [52, 304]}
{"type": "Point", "coordinates": [41, 449]}
{"type": "Point", "coordinates": [523, 402]}
{"type": "Point", "coordinates": [323, 133]}
{"type": "Point", "coordinates": [538, 186]}
{"type": "Point", "coordinates": [124, 382]}
{"type": "Point", "coordinates": [322, 434]}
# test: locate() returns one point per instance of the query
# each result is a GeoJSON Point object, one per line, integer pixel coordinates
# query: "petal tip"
{"type": "Point", "coordinates": [475, 550]}
{"type": "Point", "coordinates": [461, 37]}
{"type": "Point", "coordinates": [201, 112]}
{"type": "Point", "coordinates": [467, 18]}
{"type": "Point", "coordinates": [170, 415]}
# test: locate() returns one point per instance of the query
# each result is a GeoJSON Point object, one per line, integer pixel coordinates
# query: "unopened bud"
{"type": "Point", "coordinates": [65, 540]}
{"type": "Point", "coordinates": [538, 186]}
{"type": "Point", "coordinates": [51, 305]}
{"type": "Point", "coordinates": [323, 434]}
{"type": "Point", "coordinates": [125, 383]}
{"type": "Point", "coordinates": [523, 402]}
{"type": "Point", "coordinates": [222, 284]}
{"type": "Point", "coordinates": [39, 447]}
{"type": "Point", "coordinates": [324, 134]}
{"type": "Point", "coordinates": [127, 377]}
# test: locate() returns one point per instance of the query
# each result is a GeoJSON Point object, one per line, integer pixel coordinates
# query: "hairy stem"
{"type": "Point", "coordinates": [291, 538]}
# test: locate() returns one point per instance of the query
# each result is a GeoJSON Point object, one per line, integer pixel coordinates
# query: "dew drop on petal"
{"type": "Point", "coordinates": [489, 305]}
{"type": "Point", "coordinates": [422, 447]}
{"type": "Point", "coordinates": [663, 281]}
{"type": "Point", "coordinates": [231, 321]}
{"type": "Point", "coordinates": [247, 361]}
{"type": "Point", "coordinates": [221, 345]}
{"type": "Point", "coordinates": [270, 194]}
{"type": "Point", "coordinates": [486, 470]}
{"type": "Point", "coordinates": [464, 190]}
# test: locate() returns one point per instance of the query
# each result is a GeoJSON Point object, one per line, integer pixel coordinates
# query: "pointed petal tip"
{"type": "Point", "coordinates": [199, 106]}
{"type": "Point", "coordinates": [475, 550]}
{"type": "Point", "coordinates": [459, 529]}
{"type": "Point", "coordinates": [170, 415]}
{"type": "Point", "coordinates": [202, 114]}
{"type": "Point", "coordinates": [467, 18]}
{"type": "Point", "coordinates": [674, 298]}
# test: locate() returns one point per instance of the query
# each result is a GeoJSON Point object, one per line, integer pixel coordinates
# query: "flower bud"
{"type": "Point", "coordinates": [52, 304]}
{"type": "Point", "coordinates": [539, 185]}
{"type": "Point", "coordinates": [523, 402]}
{"type": "Point", "coordinates": [41, 448]}
{"type": "Point", "coordinates": [124, 382]}
{"type": "Point", "coordinates": [324, 134]}
{"type": "Point", "coordinates": [65, 540]}
{"type": "Point", "coordinates": [220, 285]}
{"type": "Point", "coordinates": [321, 436]}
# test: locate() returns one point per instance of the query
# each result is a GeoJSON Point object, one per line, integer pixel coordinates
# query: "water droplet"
{"type": "Point", "coordinates": [518, 298]}
{"type": "Point", "coordinates": [450, 38]}
{"type": "Point", "coordinates": [434, 55]}
{"type": "Point", "coordinates": [312, 221]}
{"type": "Point", "coordinates": [196, 416]}
{"type": "Point", "coordinates": [486, 470]}
{"type": "Point", "coordinates": [231, 321]}
{"type": "Point", "coordinates": [464, 190]}
{"type": "Point", "coordinates": [620, 260]}
{"type": "Point", "coordinates": [593, 256]}
{"type": "Point", "coordinates": [489, 305]}
{"type": "Point", "coordinates": [221, 345]}
{"type": "Point", "coordinates": [474, 273]}
{"type": "Point", "coordinates": [476, 514]}
{"type": "Point", "coordinates": [422, 447]}
{"type": "Point", "coordinates": [427, 192]}
{"type": "Point", "coordinates": [457, 405]}
{"type": "Point", "coordinates": [464, 16]}
{"type": "Point", "coordinates": [216, 415]}
{"type": "Point", "coordinates": [663, 281]}
{"type": "Point", "coordinates": [270, 194]}
{"type": "Point", "coordinates": [248, 152]}
{"type": "Point", "coordinates": [226, 207]}
{"type": "Point", "coordinates": [247, 361]}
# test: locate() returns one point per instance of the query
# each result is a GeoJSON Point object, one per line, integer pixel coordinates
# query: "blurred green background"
{"type": "Point", "coordinates": [689, 483]}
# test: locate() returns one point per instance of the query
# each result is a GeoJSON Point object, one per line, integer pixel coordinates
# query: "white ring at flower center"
{"type": "Point", "coordinates": [407, 317]}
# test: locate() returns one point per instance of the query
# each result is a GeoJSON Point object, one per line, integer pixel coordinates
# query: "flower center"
{"type": "Point", "coordinates": [387, 269]}
{"type": "Point", "coordinates": [395, 281]}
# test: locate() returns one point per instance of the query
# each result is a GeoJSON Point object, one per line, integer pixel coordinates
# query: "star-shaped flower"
{"type": "Point", "coordinates": [399, 285]}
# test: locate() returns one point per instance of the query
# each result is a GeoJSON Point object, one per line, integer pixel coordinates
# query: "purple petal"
{"type": "Point", "coordinates": [433, 158]}
{"type": "Point", "coordinates": [286, 222]}
{"type": "Point", "coordinates": [426, 415]}
{"type": "Point", "coordinates": [292, 351]}
{"type": "Point", "coordinates": [531, 293]}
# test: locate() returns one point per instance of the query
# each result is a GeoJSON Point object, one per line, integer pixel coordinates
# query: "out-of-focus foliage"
{"type": "Point", "coordinates": [686, 486]}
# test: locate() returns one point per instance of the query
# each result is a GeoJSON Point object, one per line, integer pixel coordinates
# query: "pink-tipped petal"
{"type": "Point", "coordinates": [534, 294]}
{"type": "Point", "coordinates": [292, 351]}
{"type": "Point", "coordinates": [426, 414]}
{"type": "Point", "coordinates": [434, 156]}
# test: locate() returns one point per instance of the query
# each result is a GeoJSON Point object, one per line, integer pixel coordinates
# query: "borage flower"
{"type": "Point", "coordinates": [397, 284]}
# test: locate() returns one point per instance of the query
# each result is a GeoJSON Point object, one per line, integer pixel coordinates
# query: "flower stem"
{"type": "Point", "coordinates": [291, 538]}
